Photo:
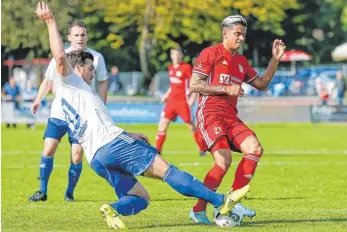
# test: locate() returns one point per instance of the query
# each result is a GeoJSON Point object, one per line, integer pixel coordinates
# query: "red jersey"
{"type": "Point", "coordinates": [222, 68]}
{"type": "Point", "coordinates": [179, 81]}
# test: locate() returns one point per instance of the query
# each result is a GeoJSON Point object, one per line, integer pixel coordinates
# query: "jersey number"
{"type": "Point", "coordinates": [72, 117]}
{"type": "Point", "coordinates": [217, 130]}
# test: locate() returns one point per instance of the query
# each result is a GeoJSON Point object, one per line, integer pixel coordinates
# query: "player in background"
{"type": "Point", "coordinates": [57, 126]}
{"type": "Point", "coordinates": [218, 74]}
{"type": "Point", "coordinates": [177, 98]}
{"type": "Point", "coordinates": [114, 154]}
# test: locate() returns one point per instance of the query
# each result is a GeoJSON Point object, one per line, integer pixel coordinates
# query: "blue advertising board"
{"type": "Point", "coordinates": [139, 112]}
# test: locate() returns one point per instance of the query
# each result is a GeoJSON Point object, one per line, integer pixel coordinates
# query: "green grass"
{"type": "Point", "coordinates": [300, 184]}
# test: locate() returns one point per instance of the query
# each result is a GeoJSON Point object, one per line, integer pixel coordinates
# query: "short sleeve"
{"type": "Point", "coordinates": [101, 72]}
{"type": "Point", "coordinates": [51, 72]}
{"type": "Point", "coordinates": [251, 74]}
{"type": "Point", "coordinates": [204, 63]}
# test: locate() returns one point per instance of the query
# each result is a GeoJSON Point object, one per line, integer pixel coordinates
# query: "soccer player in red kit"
{"type": "Point", "coordinates": [177, 98]}
{"type": "Point", "coordinates": [217, 76]}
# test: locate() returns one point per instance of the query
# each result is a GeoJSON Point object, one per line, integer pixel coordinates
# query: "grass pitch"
{"type": "Point", "coordinates": [300, 183]}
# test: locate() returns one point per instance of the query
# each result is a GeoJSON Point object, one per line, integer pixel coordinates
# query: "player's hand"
{"type": "Point", "coordinates": [235, 90]}
{"type": "Point", "coordinates": [35, 107]}
{"type": "Point", "coordinates": [163, 99]}
{"type": "Point", "coordinates": [139, 136]}
{"type": "Point", "coordinates": [278, 48]}
{"type": "Point", "coordinates": [43, 12]}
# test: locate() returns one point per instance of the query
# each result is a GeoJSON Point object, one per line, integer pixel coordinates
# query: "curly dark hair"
{"type": "Point", "coordinates": [78, 57]}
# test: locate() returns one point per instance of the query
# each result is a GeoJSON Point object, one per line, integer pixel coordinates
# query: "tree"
{"type": "Point", "coordinates": [317, 28]}
{"type": "Point", "coordinates": [22, 28]}
{"type": "Point", "coordinates": [161, 23]}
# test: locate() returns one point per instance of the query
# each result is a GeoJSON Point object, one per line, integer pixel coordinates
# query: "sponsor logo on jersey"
{"type": "Point", "coordinates": [228, 80]}
{"type": "Point", "coordinates": [175, 80]}
{"type": "Point", "coordinates": [240, 68]}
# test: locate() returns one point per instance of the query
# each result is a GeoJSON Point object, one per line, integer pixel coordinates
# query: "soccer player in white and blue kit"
{"type": "Point", "coordinates": [114, 154]}
{"type": "Point", "coordinates": [57, 126]}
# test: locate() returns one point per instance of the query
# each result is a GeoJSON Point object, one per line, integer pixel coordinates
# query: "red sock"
{"type": "Point", "coordinates": [212, 181]}
{"type": "Point", "coordinates": [197, 141]}
{"type": "Point", "coordinates": [159, 140]}
{"type": "Point", "coordinates": [245, 171]}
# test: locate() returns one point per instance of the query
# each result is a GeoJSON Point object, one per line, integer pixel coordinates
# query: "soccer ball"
{"type": "Point", "coordinates": [233, 219]}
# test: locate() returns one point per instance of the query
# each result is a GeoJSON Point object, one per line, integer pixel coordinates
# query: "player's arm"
{"type": "Point", "coordinates": [101, 76]}
{"type": "Point", "coordinates": [55, 41]}
{"type": "Point", "coordinates": [198, 84]}
{"type": "Point", "coordinates": [166, 95]}
{"type": "Point", "coordinates": [43, 91]}
{"type": "Point", "coordinates": [192, 98]}
{"type": "Point", "coordinates": [262, 82]}
{"type": "Point", "coordinates": [103, 90]}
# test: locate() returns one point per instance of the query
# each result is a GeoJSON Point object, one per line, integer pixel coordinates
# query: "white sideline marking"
{"type": "Point", "coordinates": [323, 151]}
{"type": "Point", "coordinates": [280, 152]}
{"type": "Point", "coordinates": [267, 163]}
{"type": "Point", "coordinates": [33, 166]}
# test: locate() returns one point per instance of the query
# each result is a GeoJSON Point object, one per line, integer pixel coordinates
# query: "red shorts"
{"type": "Point", "coordinates": [182, 109]}
{"type": "Point", "coordinates": [212, 127]}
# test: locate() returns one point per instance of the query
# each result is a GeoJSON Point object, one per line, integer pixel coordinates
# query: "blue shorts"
{"type": "Point", "coordinates": [57, 128]}
{"type": "Point", "coordinates": [121, 160]}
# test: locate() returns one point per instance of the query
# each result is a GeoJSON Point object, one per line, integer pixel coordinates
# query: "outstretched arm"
{"type": "Point", "coordinates": [55, 42]}
{"type": "Point", "coordinates": [198, 84]}
{"type": "Point", "coordinates": [261, 83]}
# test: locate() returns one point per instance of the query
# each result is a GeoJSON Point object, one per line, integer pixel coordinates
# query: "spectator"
{"type": "Point", "coordinates": [12, 93]}
{"type": "Point", "coordinates": [322, 91]}
{"type": "Point", "coordinates": [29, 95]}
{"type": "Point", "coordinates": [115, 86]}
{"type": "Point", "coordinates": [340, 85]}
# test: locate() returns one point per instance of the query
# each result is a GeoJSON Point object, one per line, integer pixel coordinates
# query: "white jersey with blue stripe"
{"type": "Point", "coordinates": [86, 115]}
{"type": "Point", "coordinates": [52, 75]}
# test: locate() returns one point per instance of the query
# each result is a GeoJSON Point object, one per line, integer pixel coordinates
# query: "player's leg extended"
{"type": "Point", "coordinates": [222, 156]}
{"type": "Point", "coordinates": [75, 167]}
{"type": "Point", "coordinates": [55, 130]}
{"type": "Point", "coordinates": [187, 185]}
{"type": "Point", "coordinates": [161, 134]}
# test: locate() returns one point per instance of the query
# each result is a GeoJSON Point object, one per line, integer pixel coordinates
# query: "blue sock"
{"type": "Point", "coordinates": [46, 166]}
{"type": "Point", "coordinates": [74, 175]}
{"type": "Point", "coordinates": [188, 185]}
{"type": "Point", "coordinates": [130, 205]}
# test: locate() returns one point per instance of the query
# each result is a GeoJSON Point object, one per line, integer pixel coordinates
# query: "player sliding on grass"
{"type": "Point", "coordinates": [114, 154]}
{"type": "Point", "coordinates": [218, 74]}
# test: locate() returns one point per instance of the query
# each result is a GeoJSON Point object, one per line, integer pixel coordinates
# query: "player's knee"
{"type": "Point", "coordinates": [49, 149]}
{"type": "Point", "coordinates": [256, 149]}
{"type": "Point", "coordinates": [76, 160]}
{"type": "Point", "coordinates": [191, 126]}
{"type": "Point", "coordinates": [76, 154]}
{"type": "Point", "coordinates": [223, 158]}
